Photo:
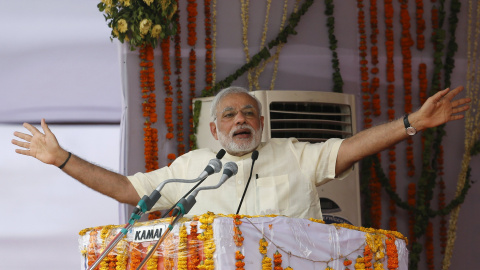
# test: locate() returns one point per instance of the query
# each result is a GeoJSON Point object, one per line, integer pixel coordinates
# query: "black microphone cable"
{"type": "Point", "coordinates": [254, 158]}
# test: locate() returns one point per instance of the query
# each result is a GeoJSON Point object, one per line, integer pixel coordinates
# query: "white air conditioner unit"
{"type": "Point", "coordinates": [311, 116]}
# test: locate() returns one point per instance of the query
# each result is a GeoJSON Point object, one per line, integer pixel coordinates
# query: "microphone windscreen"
{"type": "Point", "coordinates": [255, 155]}
{"type": "Point", "coordinates": [220, 154]}
{"type": "Point", "coordinates": [232, 167]}
{"type": "Point", "coordinates": [216, 164]}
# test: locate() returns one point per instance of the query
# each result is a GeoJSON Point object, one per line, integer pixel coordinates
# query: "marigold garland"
{"type": "Point", "coordinates": [264, 54]}
{"type": "Point", "coordinates": [152, 263]}
{"type": "Point", "coordinates": [182, 248]}
{"type": "Point", "coordinates": [390, 78]}
{"type": "Point", "coordinates": [169, 253]}
{"type": "Point", "coordinates": [266, 263]}
{"type": "Point", "coordinates": [214, 40]}
{"type": "Point", "coordinates": [244, 4]}
{"type": "Point", "coordinates": [258, 70]}
{"type": "Point", "coordinates": [237, 233]}
{"type": "Point", "coordinates": [406, 43]}
{"type": "Point", "coordinates": [359, 263]}
{"type": "Point", "coordinates": [165, 45]}
{"type": "Point", "coordinates": [179, 92]}
{"type": "Point", "coordinates": [367, 257]}
{"type": "Point", "coordinates": [192, 59]}
{"type": "Point", "coordinates": [420, 24]}
{"type": "Point", "coordinates": [207, 238]}
{"type": "Point", "coordinates": [135, 255]}
{"type": "Point", "coordinates": [208, 45]}
{"type": "Point", "coordinates": [376, 195]}
{"type": "Point", "coordinates": [239, 263]}
{"type": "Point", "coordinates": [92, 248]}
{"type": "Point", "coordinates": [277, 261]}
{"type": "Point", "coordinates": [147, 84]}
{"type": "Point", "coordinates": [392, 254]}
{"type": "Point", "coordinates": [375, 82]}
{"type": "Point", "coordinates": [122, 255]}
{"type": "Point", "coordinates": [193, 257]}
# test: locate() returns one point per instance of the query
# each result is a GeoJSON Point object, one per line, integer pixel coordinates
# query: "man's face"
{"type": "Point", "coordinates": [238, 124]}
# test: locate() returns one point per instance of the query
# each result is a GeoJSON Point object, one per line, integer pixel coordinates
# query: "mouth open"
{"type": "Point", "coordinates": [242, 133]}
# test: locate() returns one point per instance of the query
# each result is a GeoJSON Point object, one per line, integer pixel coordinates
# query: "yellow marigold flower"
{"type": "Point", "coordinates": [115, 32]}
{"type": "Point", "coordinates": [122, 25]}
{"type": "Point", "coordinates": [145, 25]}
{"type": "Point", "coordinates": [107, 2]}
{"type": "Point", "coordinates": [125, 3]}
{"type": "Point", "coordinates": [148, 2]}
{"type": "Point", "coordinates": [156, 30]}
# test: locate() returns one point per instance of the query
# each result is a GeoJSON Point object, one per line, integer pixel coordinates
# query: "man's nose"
{"type": "Point", "coordinates": [240, 118]}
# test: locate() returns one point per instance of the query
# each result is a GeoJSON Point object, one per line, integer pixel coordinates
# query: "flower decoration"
{"type": "Point", "coordinates": [182, 248]}
{"type": "Point", "coordinates": [239, 263]}
{"type": "Point", "coordinates": [139, 23]}
{"type": "Point", "coordinates": [277, 261]}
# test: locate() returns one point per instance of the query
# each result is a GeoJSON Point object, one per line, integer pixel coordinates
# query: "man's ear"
{"type": "Point", "coordinates": [213, 130]}
{"type": "Point", "coordinates": [261, 121]}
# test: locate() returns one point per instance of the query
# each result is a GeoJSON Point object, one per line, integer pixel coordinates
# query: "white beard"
{"type": "Point", "coordinates": [245, 145]}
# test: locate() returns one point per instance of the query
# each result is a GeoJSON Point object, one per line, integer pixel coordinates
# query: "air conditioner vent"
{"type": "Point", "coordinates": [310, 121]}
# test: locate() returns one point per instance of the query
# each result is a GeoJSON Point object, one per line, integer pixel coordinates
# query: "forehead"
{"type": "Point", "coordinates": [236, 101]}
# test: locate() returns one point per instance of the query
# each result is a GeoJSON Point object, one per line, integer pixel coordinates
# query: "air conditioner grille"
{"type": "Point", "coordinates": [310, 121]}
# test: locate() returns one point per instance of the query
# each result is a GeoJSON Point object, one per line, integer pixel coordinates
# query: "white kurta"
{"type": "Point", "coordinates": [283, 180]}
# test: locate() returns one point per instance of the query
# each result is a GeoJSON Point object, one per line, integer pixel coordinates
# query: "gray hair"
{"type": "Point", "coordinates": [227, 91]}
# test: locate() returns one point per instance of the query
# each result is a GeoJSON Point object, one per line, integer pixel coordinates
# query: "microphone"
{"type": "Point", "coordinates": [213, 163]}
{"type": "Point", "coordinates": [254, 158]}
{"type": "Point", "coordinates": [184, 205]}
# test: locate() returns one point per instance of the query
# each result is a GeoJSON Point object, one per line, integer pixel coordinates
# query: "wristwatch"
{"type": "Point", "coordinates": [408, 128]}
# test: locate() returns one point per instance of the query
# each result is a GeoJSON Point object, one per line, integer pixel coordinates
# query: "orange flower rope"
{"type": "Point", "coordinates": [392, 253]}
{"type": "Point", "coordinates": [406, 44]}
{"type": "Point", "coordinates": [193, 245]}
{"type": "Point", "coordinates": [147, 84]}
{"type": "Point", "coordinates": [412, 191]}
{"type": "Point", "coordinates": [208, 46]}
{"type": "Point", "coordinates": [178, 72]}
{"type": "Point", "coordinates": [420, 24]}
{"type": "Point", "coordinates": [363, 65]}
{"type": "Point", "coordinates": [239, 263]}
{"type": "Point", "coordinates": [375, 82]}
{"type": "Point", "coordinates": [165, 46]}
{"type": "Point", "coordinates": [135, 255]}
{"type": "Point", "coordinates": [368, 257]}
{"type": "Point", "coordinates": [277, 261]}
{"type": "Point", "coordinates": [237, 233]}
{"type": "Point", "coordinates": [92, 248]}
{"type": "Point", "coordinates": [390, 78]}
{"type": "Point", "coordinates": [192, 39]}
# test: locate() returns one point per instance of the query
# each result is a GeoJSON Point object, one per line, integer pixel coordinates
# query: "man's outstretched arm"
{"type": "Point", "coordinates": [45, 147]}
{"type": "Point", "coordinates": [437, 110]}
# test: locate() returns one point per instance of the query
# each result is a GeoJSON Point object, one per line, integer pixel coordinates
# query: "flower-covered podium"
{"type": "Point", "coordinates": [239, 242]}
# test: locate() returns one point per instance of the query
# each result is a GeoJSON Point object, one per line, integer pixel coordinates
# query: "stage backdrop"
{"type": "Point", "coordinates": [304, 64]}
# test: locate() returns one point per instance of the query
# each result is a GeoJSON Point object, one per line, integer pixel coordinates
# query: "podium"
{"type": "Point", "coordinates": [215, 241]}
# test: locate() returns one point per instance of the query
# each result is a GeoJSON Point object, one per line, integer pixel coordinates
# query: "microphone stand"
{"type": "Point", "coordinates": [184, 206]}
{"type": "Point", "coordinates": [147, 202]}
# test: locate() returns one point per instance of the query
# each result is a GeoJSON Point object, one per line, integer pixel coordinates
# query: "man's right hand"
{"type": "Point", "coordinates": [42, 146]}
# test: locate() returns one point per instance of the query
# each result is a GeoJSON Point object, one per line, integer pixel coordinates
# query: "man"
{"type": "Point", "coordinates": [285, 174]}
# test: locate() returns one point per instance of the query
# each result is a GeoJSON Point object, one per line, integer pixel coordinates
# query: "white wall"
{"type": "Point", "coordinates": [43, 209]}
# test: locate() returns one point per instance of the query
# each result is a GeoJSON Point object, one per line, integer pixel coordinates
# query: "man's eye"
{"type": "Point", "coordinates": [229, 115]}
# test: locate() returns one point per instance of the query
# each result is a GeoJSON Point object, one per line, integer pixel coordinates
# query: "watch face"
{"type": "Point", "coordinates": [411, 131]}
